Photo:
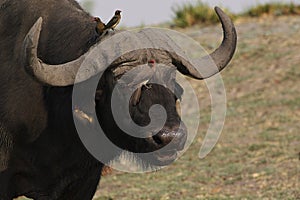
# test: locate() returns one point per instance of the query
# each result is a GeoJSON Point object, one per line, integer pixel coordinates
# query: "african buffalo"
{"type": "Point", "coordinates": [43, 43]}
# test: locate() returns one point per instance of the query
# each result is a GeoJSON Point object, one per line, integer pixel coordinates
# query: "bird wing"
{"type": "Point", "coordinates": [113, 21]}
{"type": "Point", "coordinates": [139, 75]}
{"type": "Point", "coordinates": [100, 26]}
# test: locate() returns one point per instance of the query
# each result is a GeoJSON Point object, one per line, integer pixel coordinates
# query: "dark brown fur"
{"type": "Point", "coordinates": [43, 155]}
{"type": "Point", "coordinates": [67, 33]}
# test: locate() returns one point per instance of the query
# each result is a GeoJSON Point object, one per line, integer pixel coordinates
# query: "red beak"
{"type": "Point", "coordinates": [151, 61]}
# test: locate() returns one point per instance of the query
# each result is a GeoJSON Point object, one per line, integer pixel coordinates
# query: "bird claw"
{"type": "Point", "coordinates": [148, 87]}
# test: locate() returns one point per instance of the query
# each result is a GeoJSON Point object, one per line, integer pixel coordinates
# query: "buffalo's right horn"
{"type": "Point", "coordinates": [215, 62]}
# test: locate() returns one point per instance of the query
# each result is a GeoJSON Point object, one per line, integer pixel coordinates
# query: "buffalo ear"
{"type": "Point", "coordinates": [178, 91]}
{"type": "Point", "coordinates": [136, 96]}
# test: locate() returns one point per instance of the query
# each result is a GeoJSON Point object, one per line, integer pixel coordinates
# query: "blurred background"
{"type": "Point", "coordinates": [137, 12]}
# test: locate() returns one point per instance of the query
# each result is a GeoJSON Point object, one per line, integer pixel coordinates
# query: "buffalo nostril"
{"type": "Point", "coordinates": [176, 138]}
{"type": "Point", "coordinates": [157, 139]}
{"type": "Point", "coordinates": [164, 138]}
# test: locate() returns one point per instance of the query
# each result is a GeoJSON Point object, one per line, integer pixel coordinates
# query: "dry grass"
{"type": "Point", "coordinates": [199, 13]}
{"type": "Point", "coordinates": [274, 9]}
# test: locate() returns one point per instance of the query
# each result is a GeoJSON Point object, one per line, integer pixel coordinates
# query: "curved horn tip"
{"type": "Point", "coordinates": [217, 9]}
{"type": "Point", "coordinates": [34, 33]}
{"type": "Point", "coordinates": [221, 14]}
{"type": "Point", "coordinates": [40, 20]}
{"type": "Point", "coordinates": [37, 25]}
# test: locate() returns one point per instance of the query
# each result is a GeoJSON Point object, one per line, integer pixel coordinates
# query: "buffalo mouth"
{"type": "Point", "coordinates": [167, 146]}
{"type": "Point", "coordinates": [166, 157]}
{"type": "Point", "coordinates": [162, 157]}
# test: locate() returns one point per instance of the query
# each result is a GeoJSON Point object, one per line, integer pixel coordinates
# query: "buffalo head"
{"type": "Point", "coordinates": [105, 60]}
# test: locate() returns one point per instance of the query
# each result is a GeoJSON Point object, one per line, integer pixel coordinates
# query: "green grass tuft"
{"type": "Point", "coordinates": [274, 9]}
{"type": "Point", "coordinates": [189, 14]}
{"type": "Point", "coordinates": [200, 13]}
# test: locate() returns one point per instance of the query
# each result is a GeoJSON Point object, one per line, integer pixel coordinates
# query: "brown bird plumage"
{"type": "Point", "coordinates": [115, 20]}
{"type": "Point", "coordinates": [100, 26]}
{"type": "Point", "coordinates": [139, 78]}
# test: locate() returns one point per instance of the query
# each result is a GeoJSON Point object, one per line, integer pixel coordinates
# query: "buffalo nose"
{"type": "Point", "coordinates": [176, 137]}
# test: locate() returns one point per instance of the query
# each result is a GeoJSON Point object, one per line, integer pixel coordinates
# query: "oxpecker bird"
{"type": "Point", "coordinates": [139, 77]}
{"type": "Point", "coordinates": [100, 26]}
{"type": "Point", "coordinates": [114, 21]}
